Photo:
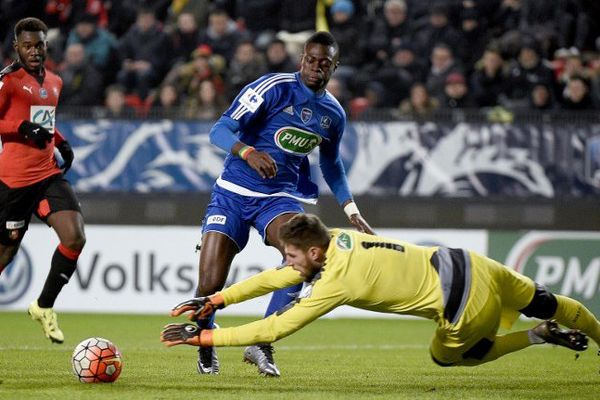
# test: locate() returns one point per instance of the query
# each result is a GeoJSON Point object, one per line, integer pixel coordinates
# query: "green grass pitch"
{"type": "Point", "coordinates": [330, 359]}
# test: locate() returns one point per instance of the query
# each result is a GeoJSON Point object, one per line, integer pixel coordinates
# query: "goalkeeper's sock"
{"type": "Point", "coordinates": [281, 298]}
{"type": "Point", "coordinates": [572, 314]}
{"type": "Point", "coordinates": [62, 267]}
{"type": "Point", "coordinates": [504, 344]}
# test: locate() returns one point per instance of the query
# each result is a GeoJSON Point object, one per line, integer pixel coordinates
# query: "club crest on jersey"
{"type": "Point", "coordinates": [43, 93]}
{"type": "Point", "coordinates": [251, 99]}
{"type": "Point", "coordinates": [325, 122]}
{"type": "Point", "coordinates": [306, 115]}
{"type": "Point", "coordinates": [344, 241]}
{"type": "Point", "coordinates": [296, 141]}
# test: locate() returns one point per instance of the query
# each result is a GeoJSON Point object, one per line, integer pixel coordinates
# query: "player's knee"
{"type": "Point", "coordinates": [543, 305]}
{"type": "Point", "coordinates": [7, 255]}
{"type": "Point", "coordinates": [76, 242]}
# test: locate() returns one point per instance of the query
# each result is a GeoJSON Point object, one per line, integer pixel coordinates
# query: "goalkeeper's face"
{"type": "Point", "coordinates": [307, 262]}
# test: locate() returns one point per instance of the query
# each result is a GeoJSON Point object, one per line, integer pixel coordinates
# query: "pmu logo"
{"type": "Point", "coordinates": [567, 263]}
{"type": "Point", "coordinates": [16, 278]}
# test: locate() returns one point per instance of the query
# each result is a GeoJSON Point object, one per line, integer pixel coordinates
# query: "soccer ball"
{"type": "Point", "coordinates": [96, 360]}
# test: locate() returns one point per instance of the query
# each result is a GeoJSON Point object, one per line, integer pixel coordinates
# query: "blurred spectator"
{"type": "Point", "coordinates": [487, 82]}
{"type": "Point", "coordinates": [541, 98]}
{"type": "Point", "coordinates": [571, 63]}
{"type": "Point", "coordinates": [419, 104]}
{"type": "Point", "coordinates": [184, 37]}
{"type": "Point", "coordinates": [438, 30]}
{"type": "Point", "coordinates": [246, 66]}
{"type": "Point", "coordinates": [100, 45]}
{"type": "Point", "coordinates": [475, 38]}
{"type": "Point", "coordinates": [197, 8]}
{"type": "Point", "coordinates": [399, 73]}
{"type": "Point", "coordinates": [297, 23]}
{"type": "Point", "coordinates": [349, 32]}
{"type": "Point", "coordinates": [82, 83]}
{"type": "Point", "coordinates": [456, 92]}
{"type": "Point", "coordinates": [338, 89]}
{"type": "Point", "coordinates": [576, 95]}
{"type": "Point", "coordinates": [508, 17]}
{"type": "Point", "coordinates": [165, 102]}
{"type": "Point", "coordinates": [221, 34]}
{"type": "Point", "coordinates": [121, 16]}
{"type": "Point", "coordinates": [204, 66]}
{"type": "Point", "coordinates": [145, 51]}
{"type": "Point", "coordinates": [278, 59]}
{"type": "Point", "coordinates": [443, 64]}
{"type": "Point", "coordinates": [206, 103]}
{"type": "Point", "coordinates": [115, 105]}
{"type": "Point", "coordinates": [258, 16]}
{"type": "Point", "coordinates": [528, 70]}
{"type": "Point", "coordinates": [390, 31]}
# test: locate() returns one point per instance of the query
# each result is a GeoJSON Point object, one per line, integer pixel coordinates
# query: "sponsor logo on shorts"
{"type": "Point", "coordinates": [344, 241]}
{"type": "Point", "coordinates": [216, 219]}
{"type": "Point", "coordinates": [16, 278]}
{"type": "Point", "coordinates": [15, 224]}
{"type": "Point", "coordinates": [296, 141]}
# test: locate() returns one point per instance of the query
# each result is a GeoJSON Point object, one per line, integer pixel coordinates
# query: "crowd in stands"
{"type": "Point", "coordinates": [189, 58]}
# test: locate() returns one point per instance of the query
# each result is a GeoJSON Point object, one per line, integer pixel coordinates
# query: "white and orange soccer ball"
{"type": "Point", "coordinates": [96, 360]}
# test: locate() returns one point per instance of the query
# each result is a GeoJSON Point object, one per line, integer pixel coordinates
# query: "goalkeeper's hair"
{"type": "Point", "coordinates": [305, 231]}
{"type": "Point", "coordinates": [324, 38]}
{"type": "Point", "coordinates": [30, 25]}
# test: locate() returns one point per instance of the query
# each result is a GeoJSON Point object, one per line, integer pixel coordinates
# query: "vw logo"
{"type": "Point", "coordinates": [16, 278]}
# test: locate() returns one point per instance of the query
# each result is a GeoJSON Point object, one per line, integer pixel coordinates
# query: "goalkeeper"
{"type": "Point", "coordinates": [468, 295]}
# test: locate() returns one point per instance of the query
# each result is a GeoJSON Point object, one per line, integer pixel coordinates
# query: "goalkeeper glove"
{"type": "Point", "coordinates": [37, 133]}
{"type": "Point", "coordinates": [66, 152]}
{"type": "Point", "coordinates": [174, 334]}
{"type": "Point", "coordinates": [201, 307]}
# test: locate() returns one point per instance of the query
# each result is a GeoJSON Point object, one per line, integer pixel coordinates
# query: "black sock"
{"type": "Point", "coordinates": [61, 270]}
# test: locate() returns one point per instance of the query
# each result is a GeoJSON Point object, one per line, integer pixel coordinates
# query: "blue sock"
{"type": "Point", "coordinates": [208, 323]}
{"type": "Point", "coordinates": [282, 298]}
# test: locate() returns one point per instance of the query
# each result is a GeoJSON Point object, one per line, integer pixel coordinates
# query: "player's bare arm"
{"type": "Point", "coordinates": [260, 161]}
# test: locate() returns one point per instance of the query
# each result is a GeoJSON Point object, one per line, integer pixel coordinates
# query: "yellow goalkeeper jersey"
{"type": "Point", "coordinates": [360, 270]}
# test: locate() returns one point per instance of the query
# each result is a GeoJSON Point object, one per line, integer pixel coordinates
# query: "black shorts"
{"type": "Point", "coordinates": [42, 199]}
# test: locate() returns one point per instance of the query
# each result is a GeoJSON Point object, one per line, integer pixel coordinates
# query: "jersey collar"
{"type": "Point", "coordinates": [308, 91]}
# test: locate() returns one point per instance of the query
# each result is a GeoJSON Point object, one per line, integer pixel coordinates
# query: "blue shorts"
{"type": "Point", "coordinates": [233, 214]}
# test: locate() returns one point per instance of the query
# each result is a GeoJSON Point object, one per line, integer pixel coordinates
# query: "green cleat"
{"type": "Point", "coordinates": [46, 317]}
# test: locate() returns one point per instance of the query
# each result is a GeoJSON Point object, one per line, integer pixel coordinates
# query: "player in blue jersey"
{"type": "Point", "coordinates": [268, 131]}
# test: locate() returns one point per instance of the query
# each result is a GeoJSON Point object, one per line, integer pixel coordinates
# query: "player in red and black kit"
{"type": "Point", "coordinates": [31, 181]}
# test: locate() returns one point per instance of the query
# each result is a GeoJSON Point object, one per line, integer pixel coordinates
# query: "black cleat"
{"type": "Point", "coordinates": [570, 338]}
{"type": "Point", "coordinates": [261, 355]}
{"type": "Point", "coordinates": [208, 362]}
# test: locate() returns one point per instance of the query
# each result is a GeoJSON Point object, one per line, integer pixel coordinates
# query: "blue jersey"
{"type": "Point", "coordinates": [280, 115]}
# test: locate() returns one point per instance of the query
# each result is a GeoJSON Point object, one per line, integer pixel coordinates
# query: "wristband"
{"type": "Point", "coordinates": [351, 209]}
{"type": "Point", "coordinates": [245, 151]}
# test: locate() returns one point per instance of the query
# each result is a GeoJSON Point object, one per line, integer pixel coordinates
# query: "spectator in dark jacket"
{"type": "Point", "coordinates": [145, 51]}
{"type": "Point", "coordinates": [221, 34]}
{"type": "Point", "coordinates": [529, 70]}
{"type": "Point", "coordinates": [487, 82]}
{"type": "Point", "coordinates": [438, 30]}
{"type": "Point", "coordinates": [278, 59]}
{"type": "Point", "coordinates": [576, 95]}
{"type": "Point", "coordinates": [82, 84]}
{"type": "Point", "coordinates": [390, 31]}
{"type": "Point", "coordinates": [349, 32]}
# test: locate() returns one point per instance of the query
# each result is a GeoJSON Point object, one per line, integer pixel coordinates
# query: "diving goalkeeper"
{"type": "Point", "coordinates": [469, 296]}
